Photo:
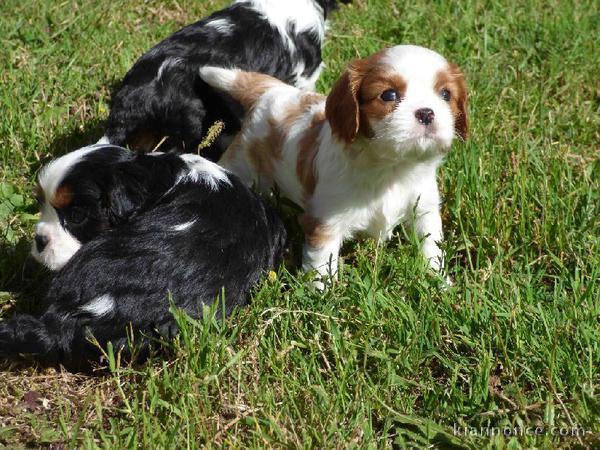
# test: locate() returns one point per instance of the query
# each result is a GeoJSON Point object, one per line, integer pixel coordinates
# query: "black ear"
{"type": "Point", "coordinates": [123, 198]}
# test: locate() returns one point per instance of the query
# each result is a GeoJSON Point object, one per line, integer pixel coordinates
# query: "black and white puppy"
{"type": "Point", "coordinates": [162, 95]}
{"type": "Point", "coordinates": [206, 235]}
{"type": "Point", "coordinates": [97, 188]}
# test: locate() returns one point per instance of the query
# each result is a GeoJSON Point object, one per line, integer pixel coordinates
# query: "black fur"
{"type": "Point", "coordinates": [235, 237]}
{"type": "Point", "coordinates": [178, 104]}
{"type": "Point", "coordinates": [110, 184]}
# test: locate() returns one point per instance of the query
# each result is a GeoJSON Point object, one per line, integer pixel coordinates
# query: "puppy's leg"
{"type": "Point", "coordinates": [428, 226]}
{"type": "Point", "coordinates": [321, 248]}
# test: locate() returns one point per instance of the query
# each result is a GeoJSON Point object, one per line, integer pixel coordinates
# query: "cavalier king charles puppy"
{"type": "Point", "coordinates": [361, 160]}
{"type": "Point", "coordinates": [206, 235]}
{"type": "Point", "coordinates": [97, 188]}
{"type": "Point", "coordinates": [163, 102]}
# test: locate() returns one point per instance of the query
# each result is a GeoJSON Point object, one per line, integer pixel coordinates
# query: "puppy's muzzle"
{"type": "Point", "coordinates": [424, 115]}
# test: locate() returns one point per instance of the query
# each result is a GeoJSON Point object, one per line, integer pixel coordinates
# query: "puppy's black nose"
{"type": "Point", "coordinates": [424, 115]}
{"type": "Point", "coordinates": [40, 242]}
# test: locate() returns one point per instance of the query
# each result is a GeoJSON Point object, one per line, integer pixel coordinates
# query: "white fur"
{"type": "Point", "coordinates": [169, 62]}
{"type": "Point", "coordinates": [223, 26]}
{"type": "Point", "coordinates": [184, 226]}
{"type": "Point", "coordinates": [203, 170]}
{"type": "Point", "coordinates": [219, 77]}
{"type": "Point", "coordinates": [61, 244]}
{"type": "Point", "coordinates": [372, 185]}
{"type": "Point", "coordinates": [99, 306]}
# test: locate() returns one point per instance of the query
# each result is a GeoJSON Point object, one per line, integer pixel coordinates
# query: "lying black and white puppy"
{"type": "Point", "coordinates": [207, 235]}
{"type": "Point", "coordinates": [162, 95]}
{"type": "Point", "coordinates": [97, 188]}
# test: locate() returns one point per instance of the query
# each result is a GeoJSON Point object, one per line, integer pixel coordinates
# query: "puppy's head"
{"type": "Point", "coordinates": [407, 100]}
{"type": "Point", "coordinates": [79, 196]}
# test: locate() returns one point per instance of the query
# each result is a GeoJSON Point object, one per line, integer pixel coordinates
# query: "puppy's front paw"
{"type": "Point", "coordinates": [318, 284]}
{"type": "Point", "coordinates": [448, 283]}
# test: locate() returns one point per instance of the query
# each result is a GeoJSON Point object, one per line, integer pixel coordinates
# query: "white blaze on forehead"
{"type": "Point", "coordinates": [400, 131]}
{"type": "Point", "coordinates": [53, 173]}
{"type": "Point", "coordinates": [417, 65]}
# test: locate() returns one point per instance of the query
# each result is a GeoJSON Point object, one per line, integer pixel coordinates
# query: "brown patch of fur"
{"type": "Point", "coordinates": [453, 79]}
{"type": "Point", "coordinates": [343, 103]}
{"type": "Point", "coordinates": [316, 233]}
{"type": "Point", "coordinates": [143, 141]}
{"type": "Point", "coordinates": [250, 86]}
{"type": "Point", "coordinates": [266, 151]}
{"type": "Point", "coordinates": [374, 84]}
{"type": "Point", "coordinates": [307, 151]}
{"type": "Point", "coordinates": [62, 197]}
{"type": "Point", "coordinates": [233, 149]}
{"type": "Point", "coordinates": [295, 111]}
{"type": "Point", "coordinates": [261, 155]}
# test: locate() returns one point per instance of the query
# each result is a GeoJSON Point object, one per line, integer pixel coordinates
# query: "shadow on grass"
{"type": "Point", "coordinates": [77, 137]}
{"type": "Point", "coordinates": [23, 280]}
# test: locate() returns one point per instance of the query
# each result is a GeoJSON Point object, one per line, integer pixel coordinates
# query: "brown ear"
{"type": "Point", "coordinates": [461, 120]}
{"type": "Point", "coordinates": [342, 105]}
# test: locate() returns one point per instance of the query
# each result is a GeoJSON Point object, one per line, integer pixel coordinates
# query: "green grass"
{"type": "Point", "coordinates": [386, 356]}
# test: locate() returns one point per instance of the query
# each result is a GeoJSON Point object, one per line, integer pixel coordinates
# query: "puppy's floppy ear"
{"type": "Point", "coordinates": [342, 107]}
{"type": "Point", "coordinates": [461, 119]}
{"type": "Point", "coordinates": [121, 200]}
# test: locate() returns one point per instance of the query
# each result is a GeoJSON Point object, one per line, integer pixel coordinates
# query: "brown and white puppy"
{"type": "Point", "coordinates": [361, 160]}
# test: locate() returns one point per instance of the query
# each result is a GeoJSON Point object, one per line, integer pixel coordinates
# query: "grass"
{"type": "Point", "coordinates": [386, 357]}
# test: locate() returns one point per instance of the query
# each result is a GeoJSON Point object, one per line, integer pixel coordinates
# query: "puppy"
{"type": "Point", "coordinates": [99, 187]}
{"type": "Point", "coordinates": [207, 235]}
{"type": "Point", "coordinates": [361, 160]}
{"type": "Point", "coordinates": [163, 96]}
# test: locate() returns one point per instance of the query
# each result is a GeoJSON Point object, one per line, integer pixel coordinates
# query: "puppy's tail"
{"type": "Point", "coordinates": [26, 334]}
{"type": "Point", "coordinates": [245, 87]}
{"type": "Point", "coordinates": [49, 338]}
{"type": "Point", "coordinates": [219, 77]}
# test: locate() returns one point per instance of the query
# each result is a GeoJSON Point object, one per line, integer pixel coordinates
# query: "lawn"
{"type": "Point", "coordinates": [508, 357]}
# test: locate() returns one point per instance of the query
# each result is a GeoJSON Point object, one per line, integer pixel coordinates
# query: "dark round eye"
{"type": "Point", "coordinates": [390, 96]}
{"type": "Point", "coordinates": [445, 94]}
{"type": "Point", "coordinates": [77, 216]}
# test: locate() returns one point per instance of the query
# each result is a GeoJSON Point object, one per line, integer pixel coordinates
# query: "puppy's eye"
{"type": "Point", "coordinates": [77, 216]}
{"type": "Point", "coordinates": [390, 96]}
{"type": "Point", "coordinates": [445, 94]}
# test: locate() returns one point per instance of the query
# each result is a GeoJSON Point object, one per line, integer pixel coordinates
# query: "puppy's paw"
{"type": "Point", "coordinates": [318, 284]}
{"type": "Point", "coordinates": [448, 283]}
